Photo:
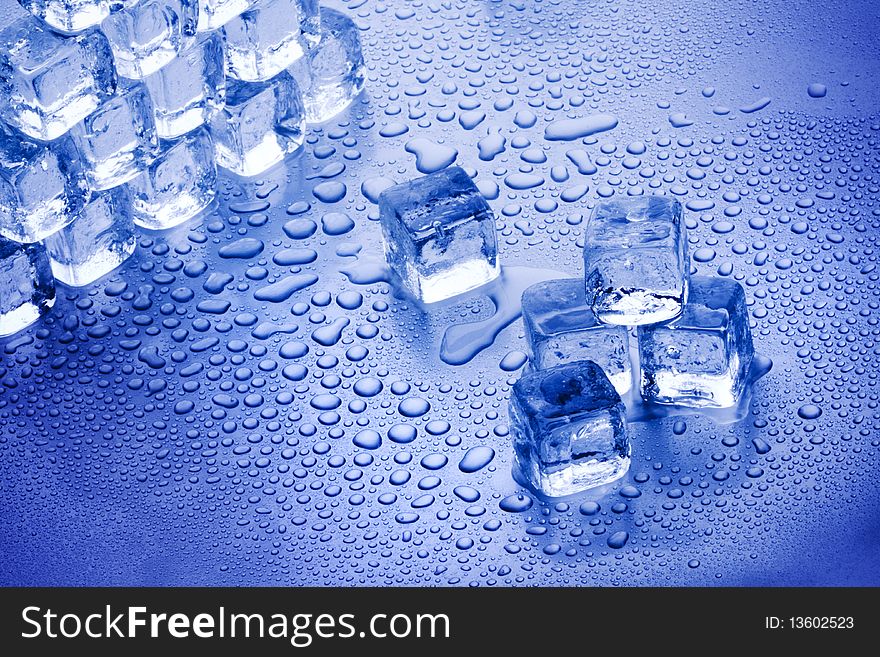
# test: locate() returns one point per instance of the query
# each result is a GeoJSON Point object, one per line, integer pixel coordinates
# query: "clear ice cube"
{"type": "Point", "coordinates": [635, 260]}
{"type": "Point", "coordinates": [27, 289]}
{"type": "Point", "coordinates": [118, 140]}
{"type": "Point", "coordinates": [178, 185]}
{"type": "Point", "coordinates": [331, 74]}
{"type": "Point", "coordinates": [41, 186]}
{"type": "Point", "coordinates": [214, 14]}
{"type": "Point", "coordinates": [189, 90]}
{"type": "Point", "coordinates": [261, 123]}
{"type": "Point", "coordinates": [569, 429]}
{"type": "Point", "coordinates": [50, 82]}
{"type": "Point", "coordinates": [561, 328]}
{"type": "Point", "coordinates": [148, 35]}
{"type": "Point", "coordinates": [702, 358]}
{"type": "Point", "coordinates": [263, 41]}
{"type": "Point", "coordinates": [68, 16]}
{"type": "Point", "coordinates": [439, 235]}
{"type": "Point", "coordinates": [99, 239]}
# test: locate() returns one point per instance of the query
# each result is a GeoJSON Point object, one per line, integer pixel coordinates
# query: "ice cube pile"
{"type": "Point", "coordinates": [694, 345]}
{"type": "Point", "coordinates": [115, 115]}
{"type": "Point", "coordinates": [567, 412]}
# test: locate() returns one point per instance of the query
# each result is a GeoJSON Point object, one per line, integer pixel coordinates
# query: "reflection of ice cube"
{"type": "Point", "coordinates": [332, 73]}
{"type": "Point", "coordinates": [50, 82]}
{"type": "Point", "coordinates": [148, 35]}
{"type": "Point", "coordinates": [561, 328]}
{"type": "Point", "coordinates": [28, 289]}
{"type": "Point", "coordinates": [703, 357]}
{"type": "Point", "coordinates": [265, 40]}
{"type": "Point", "coordinates": [635, 260]}
{"type": "Point", "coordinates": [261, 123]}
{"type": "Point", "coordinates": [190, 89]}
{"type": "Point", "coordinates": [118, 139]}
{"type": "Point", "coordinates": [68, 16]}
{"type": "Point", "coordinates": [439, 234]}
{"type": "Point", "coordinates": [99, 239]}
{"type": "Point", "coordinates": [569, 429]}
{"type": "Point", "coordinates": [216, 13]}
{"type": "Point", "coordinates": [178, 185]}
{"type": "Point", "coordinates": [41, 187]}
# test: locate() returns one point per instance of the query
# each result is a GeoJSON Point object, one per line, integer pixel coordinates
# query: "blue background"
{"type": "Point", "coordinates": [129, 457]}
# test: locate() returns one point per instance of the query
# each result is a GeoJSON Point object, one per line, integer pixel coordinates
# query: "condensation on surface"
{"type": "Point", "coordinates": [249, 400]}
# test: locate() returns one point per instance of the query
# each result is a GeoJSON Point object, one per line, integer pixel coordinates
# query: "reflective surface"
{"type": "Point", "coordinates": [247, 401]}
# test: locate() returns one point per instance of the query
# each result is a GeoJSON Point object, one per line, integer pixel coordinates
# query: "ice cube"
{"type": "Point", "coordinates": [178, 185]}
{"type": "Point", "coordinates": [190, 89]}
{"type": "Point", "coordinates": [261, 123]}
{"type": "Point", "coordinates": [27, 289]}
{"type": "Point", "coordinates": [148, 35]}
{"type": "Point", "coordinates": [331, 74]}
{"type": "Point", "coordinates": [439, 235]}
{"type": "Point", "coordinates": [49, 82]}
{"type": "Point", "coordinates": [263, 41]}
{"type": "Point", "coordinates": [68, 16]}
{"type": "Point", "coordinates": [703, 357]}
{"type": "Point", "coordinates": [635, 261]}
{"type": "Point", "coordinates": [41, 186]}
{"type": "Point", "coordinates": [216, 13]}
{"type": "Point", "coordinates": [118, 140]}
{"type": "Point", "coordinates": [569, 429]}
{"type": "Point", "coordinates": [99, 239]}
{"type": "Point", "coordinates": [561, 328]}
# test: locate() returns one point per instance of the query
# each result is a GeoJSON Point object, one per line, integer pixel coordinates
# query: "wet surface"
{"type": "Point", "coordinates": [249, 400]}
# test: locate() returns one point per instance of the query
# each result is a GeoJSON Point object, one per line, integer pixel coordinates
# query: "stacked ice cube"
{"type": "Point", "coordinates": [694, 345]}
{"type": "Point", "coordinates": [569, 421]}
{"type": "Point", "coordinates": [116, 114]}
